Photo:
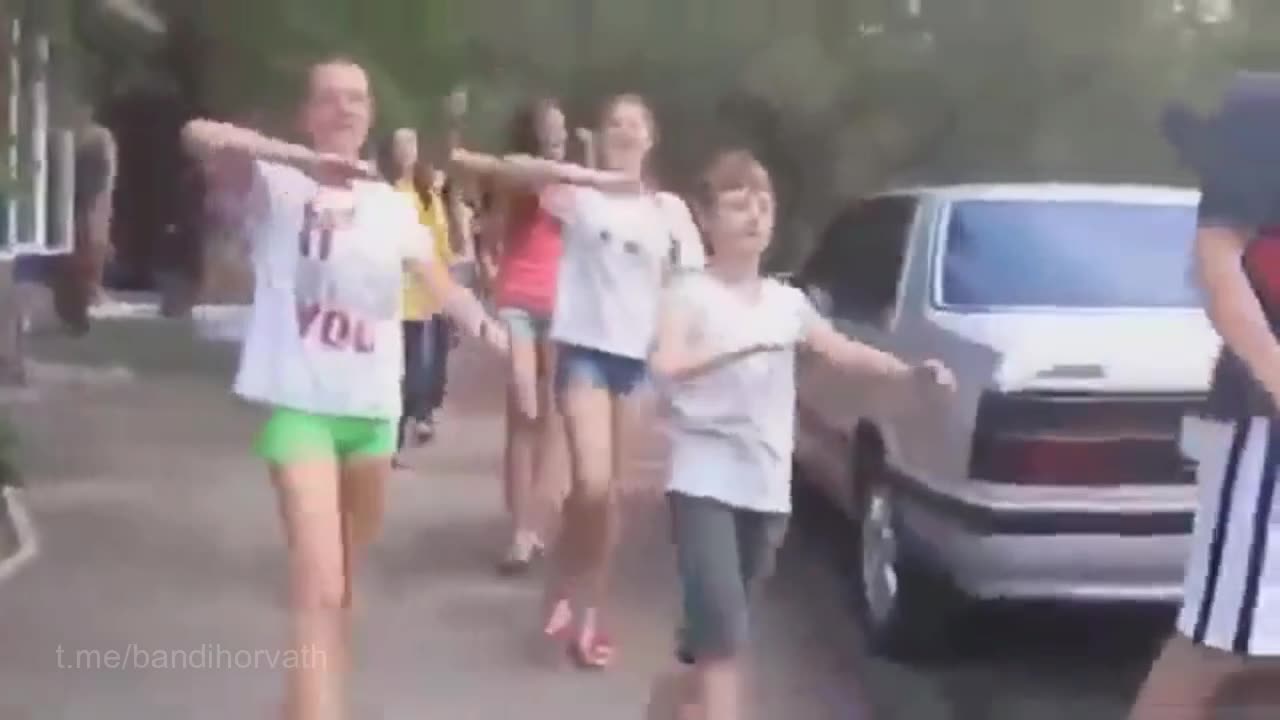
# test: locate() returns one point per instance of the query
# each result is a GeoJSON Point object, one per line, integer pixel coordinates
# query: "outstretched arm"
{"type": "Point", "coordinates": [227, 154]}
{"type": "Point", "coordinates": [460, 304]}
{"type": "Point", "coordinates": [535, 173]}
{"type": "Point", "coordinates": [856, 357]}
{"type": "Point", "coordinates": [676, 357]}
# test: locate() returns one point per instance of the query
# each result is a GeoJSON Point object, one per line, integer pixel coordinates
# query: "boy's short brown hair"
{"type": "Point", "coordinates": [732, 170]}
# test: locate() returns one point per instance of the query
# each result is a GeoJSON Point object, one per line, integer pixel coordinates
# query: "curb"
{"type": "Point", "coordinates": [14, 514]}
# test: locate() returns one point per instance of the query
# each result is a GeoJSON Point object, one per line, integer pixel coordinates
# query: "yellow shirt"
{"type": "Point", "coordinates": [418, 302]}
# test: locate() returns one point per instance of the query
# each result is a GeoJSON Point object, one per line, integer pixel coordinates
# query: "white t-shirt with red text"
{"type": "Point", "coordinates": [324, 333]}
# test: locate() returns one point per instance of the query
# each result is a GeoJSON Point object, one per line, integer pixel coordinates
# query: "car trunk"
{"type": "Point", "coordinates": [1090, 399]}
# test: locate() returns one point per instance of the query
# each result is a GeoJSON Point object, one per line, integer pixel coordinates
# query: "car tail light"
{"type": "Point", "coordinates": [1084, 440]}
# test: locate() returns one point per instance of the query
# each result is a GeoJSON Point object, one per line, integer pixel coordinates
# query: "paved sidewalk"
{"type": "Point", "coordinates": [159, 538]}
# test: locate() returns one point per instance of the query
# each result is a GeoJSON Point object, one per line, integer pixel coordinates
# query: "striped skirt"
{"type": "Point", "coordinates": [1232, 591]}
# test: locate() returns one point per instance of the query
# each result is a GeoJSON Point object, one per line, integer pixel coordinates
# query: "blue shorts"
{"type": "Point", "coordinates": [615, 373]}
{"type": "Point", "coordinates": [525, 324]}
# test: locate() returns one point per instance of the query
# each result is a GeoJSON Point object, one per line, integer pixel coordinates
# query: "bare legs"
{"type": "Point", "coordinates": [534, 463]}
{"type": "Point", "coordinates": [330, 515]}
{"type": "Point", "coordinates": [1193, 682]}
{"type": "Point", "coordinates": [593, 421]}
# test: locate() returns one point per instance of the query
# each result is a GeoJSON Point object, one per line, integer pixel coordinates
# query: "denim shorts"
{"type": "Point", "coordinates": [525, 323]}
{"type": "Point", "coordinates": [618, 374]}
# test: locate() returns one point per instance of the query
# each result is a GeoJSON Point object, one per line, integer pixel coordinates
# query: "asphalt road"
{"type": "Point", "coordinates": [158, 534]}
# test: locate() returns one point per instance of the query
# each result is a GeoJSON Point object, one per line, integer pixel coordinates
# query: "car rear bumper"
{"type": "Point", "coordinates": [1030, 551]}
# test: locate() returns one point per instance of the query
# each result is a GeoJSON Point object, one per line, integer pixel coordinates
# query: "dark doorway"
{"type": "Point", "coordinates": [156, 230]}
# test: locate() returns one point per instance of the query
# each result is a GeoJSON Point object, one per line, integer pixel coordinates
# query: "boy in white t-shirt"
{"type": "Point", "coordinates": [725, 360]}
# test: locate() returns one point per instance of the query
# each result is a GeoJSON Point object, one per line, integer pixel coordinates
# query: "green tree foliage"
{"type": "Point", "coordinates": [845, 96]}
{"type": "Point", "coordinates": [258, 51]}
{"type": "Point", "coordinates": [839, 96]}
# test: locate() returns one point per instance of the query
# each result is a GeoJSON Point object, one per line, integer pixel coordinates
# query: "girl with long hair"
{"type": "Point", "coordinates": [323, 347]}
{"type": "Point", "coordinates": [621, 240]}
{"type": "Point", "coordinates": [523, 242]}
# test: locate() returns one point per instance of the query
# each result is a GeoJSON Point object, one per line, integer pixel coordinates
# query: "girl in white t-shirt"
{"type": "Point", "coordinates": [621, 240]}
{"type": "Point", "coordinates": [323, 349]}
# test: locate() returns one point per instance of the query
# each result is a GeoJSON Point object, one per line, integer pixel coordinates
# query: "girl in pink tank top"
{"type": "Point", "coordinates": [524, 245]}
{"type": "Point", "coordinates": [530, 258]}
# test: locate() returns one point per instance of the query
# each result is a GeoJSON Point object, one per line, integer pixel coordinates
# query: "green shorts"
{"type": "Point", "coordinates": [290, 435]}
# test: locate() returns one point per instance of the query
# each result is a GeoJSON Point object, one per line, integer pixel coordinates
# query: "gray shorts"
{"type": "Point", "coordinates": [723, 553]}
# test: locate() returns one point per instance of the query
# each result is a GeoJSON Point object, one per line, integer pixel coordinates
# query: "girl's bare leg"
{"type": "Point", "coordinates": [588, 538]}
{"type": "Point", "coordinates": [520, 456]}
{"type": "Point", "coordinates": [719, 689]}
{"type": "Point", "coordinates": [1185, 682]}
{"type": "Point", "coordinates": [309, 502]}
{"type": "Point", "coordinates": [676, 696]}
{"type": "Point", "coordinates": [363, 486]}
{"type": "Point", "coordinates": [551, 470]}
{"type": "Point", "coordinates": [585, 536]}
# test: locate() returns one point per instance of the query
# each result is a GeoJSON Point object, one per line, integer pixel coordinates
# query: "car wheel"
{"type": "Point", "coordinates": [903, 607]}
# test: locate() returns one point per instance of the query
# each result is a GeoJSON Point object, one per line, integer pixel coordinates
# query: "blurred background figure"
{"type": "Point", "coordinates": [76, 280]}
{"type": "Point", "coordinates": [400, 163]}
{"type": "Point", "coordinates": [523, 243]}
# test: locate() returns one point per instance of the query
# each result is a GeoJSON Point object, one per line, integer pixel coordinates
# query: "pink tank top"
{"type": "Point", "coordinates": [530, 259]}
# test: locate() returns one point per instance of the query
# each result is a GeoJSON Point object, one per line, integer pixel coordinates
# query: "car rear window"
{"type": "Point", "coordinates": [1092, 255]}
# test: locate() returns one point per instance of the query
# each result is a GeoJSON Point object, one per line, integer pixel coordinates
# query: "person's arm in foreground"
{"type": "Point", "coordinates": [460, 304]}
{"type": "Point", "coordinates": [1232, 306]}
{"type": "Point", "coordinates": [855, 357]}
{"type": "Point", "coordinates": [535, 173]}
{"type": "Point", "coordinates": [227, 152]}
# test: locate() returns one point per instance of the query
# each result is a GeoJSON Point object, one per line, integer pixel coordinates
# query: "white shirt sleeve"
{"type": "Point", "coordinates": [688, 251]}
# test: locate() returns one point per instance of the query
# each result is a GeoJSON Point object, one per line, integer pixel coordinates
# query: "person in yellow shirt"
{"type": "Point", "coordinates": [426, 331]}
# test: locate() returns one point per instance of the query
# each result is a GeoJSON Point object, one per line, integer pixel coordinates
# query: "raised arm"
{"type": "Point", "coordinates": [227, 154]}
{"type": "Point", "coordinates": [535, 173]}
{"type": "Point", "coordinates": [855, 357]}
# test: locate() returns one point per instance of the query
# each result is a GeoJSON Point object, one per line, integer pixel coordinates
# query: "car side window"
{"type": "Point", "coordinates": [860, 259]}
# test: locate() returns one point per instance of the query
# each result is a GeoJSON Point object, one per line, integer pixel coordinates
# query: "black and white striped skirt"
{"type": "Point", "coordinates": [1232, 591]}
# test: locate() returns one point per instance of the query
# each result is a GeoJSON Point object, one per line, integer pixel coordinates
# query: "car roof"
{"type": "Point", "coordinates": [1051, 192]}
